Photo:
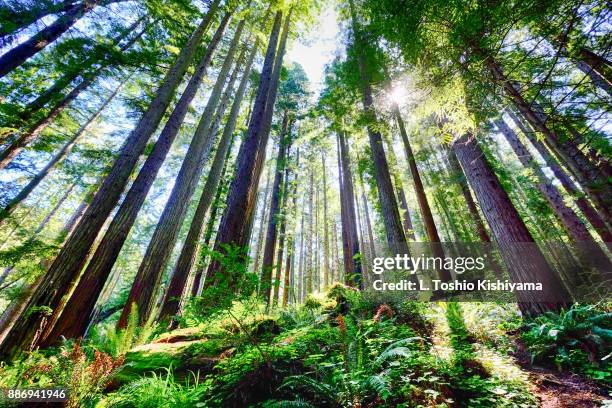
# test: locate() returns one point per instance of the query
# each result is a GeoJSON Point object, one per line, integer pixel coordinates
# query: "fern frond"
{"type": "Point", "coordinates": [311, 384]}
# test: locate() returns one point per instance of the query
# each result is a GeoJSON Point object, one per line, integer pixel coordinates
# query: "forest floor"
{"type": "Point", "coordinates": [559, 389]}
{"type": "Point", "coordinates": [339, 349]}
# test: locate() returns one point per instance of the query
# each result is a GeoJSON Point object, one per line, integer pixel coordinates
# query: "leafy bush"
{"type": "Point", "coordinates": [579, 339]}
{"type": "Point", "coordinates": [158, 391]}
{"type": "Point", "coordinates": [117, 342]}
{"type": "Point", "coordinates": [83, 371]}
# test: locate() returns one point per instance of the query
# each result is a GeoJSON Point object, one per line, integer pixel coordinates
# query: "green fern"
{"type": "Point", "coordinates": [309, 383]}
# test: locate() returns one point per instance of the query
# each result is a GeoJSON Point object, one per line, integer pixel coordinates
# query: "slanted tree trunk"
{"type": "Point", "coordinates": [275, 205]}
{"type": "Point", "coordinates": [237, 217]}
{"type": "Point", "coordinates": [524, 260]}
{"type": "Point", "coordinates": [58, 157]}
{"type": "Point", "coordinates": [190, 247]}
{"type": "Point", "coordinates": [20, 53]}
{"type": "Point", "coordinates": [22, 18]}
{"type": "Point", "coordinates": [589, 176]}
{"type": "Point", "coordinates": [570, 221]}
{"type": "Point", "coordinates": [84, 70]}
{"type": "Point", "coordinates": [98, 314]}
{"type": "Point", "coordinates": [208, 234]}
{"type": "Point", "coordinates": [267, 122]}
{"type": "Point", "coordinates": [391, 217]}
{"type": "Point", "coordinates": [426, 215]}
{"type": "Point", "coordinates": [352, 259]}
{"type": "Point", "coordinates": [599, 69]}
{"type": "Point", "coordinates": [458, 175]}
{"type": "Point", "coordinates": [75, 318]}
{"type": "Point", "coordinates": [73, 255]}
{"type": "Point", "coordinates": [17, 306]}
{"type": "Point", "coordinates": [596, 67]}
{"type": "Point", "coordinates": [150, 272]}
{"type": "Point", "coordinates": [33, 131]}
{"type": "Point", "coordinates": [568, 184]}
{"type": "Point", "coordinates": [399, 188]}
{"type": "Point", "coordinates": [42, 225]}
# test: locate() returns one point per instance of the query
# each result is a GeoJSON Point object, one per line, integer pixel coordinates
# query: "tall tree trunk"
{"type": "Point", "coordinates": [20, 53]}
{"type": "Point", "coordinates": [42, 225]}
{"type": "Point", "coordinates": [596, 67]}
{"type": "Point", "coordinates": [289, 281]}
{"type": "Point", "coordinates": [346, 240]}
{"type": "Point", "coordinates": [18, 306]}
{"type": "Point", "coordinates": [54, 92]}
{"type": "Point", "coordinates": [275, 205]}
{"type": "Point", "coordinates": [97, 315]}
{"type": "Point", "coordinates": [365, 249]}
{"type": "Point", "coordinates": [391, 217]}
{"type": "Point", "coordinates": [300, 275]}
{"type": "Point", "coordinates": [368, 221]}
{"type": "Point", "coordinates": [334, 252]}
{"type": "Point", "coordinates": [58, 157]}
{"type": "Point", "coordinates": [399, 188]}
{"type": "Point", "coordinates": [262, 226]}
{"type": "Point", "coordinates": [67, 265]}
{"type": "Point", "coordinates": [590, 177]}
{"type": "Point", "coordinates": [269, 112]}
{"type": "Point", "coordinates": [308, 267]}
{"type": "Point", "coordinates": [20, 19]}
{"type": "Point", "coordinates": [599, 69]}
{"type": "Point", "coordinates": [426, 215]}
{"type": "Point", "coordinates": [568, 184]}
{"type": "Point", "coordinates": [190, 247]}
{"type": "Point", "coordinates": [56, 207]}
{"type": "Point", "coordinates": [33, 131]}
{"type": "Point", "coordinates": [282, 229]}
{"type": "Point", "coordinates": [524, 260]}
{"type": "Point", "coordinates": [210, 225]}
{"type": "Point", "coordinates": [150, 272]}
{"type": "Point", "coordinates": [352, 256]}
{"type": "Point", "coordinates": [467, 195]}
{"type": "Point", "coordinates": [326, 268]}
{"type": "Point", "coordinates": [317, 242]}
{"type": "Point", "coordinates": [570, 221]}
{"type": "Point", "coordinates": [237, 217]}
{"type": "Point", "coordinates": [77, 313]}
{"type": "Point", "coordinates": [289, 284]}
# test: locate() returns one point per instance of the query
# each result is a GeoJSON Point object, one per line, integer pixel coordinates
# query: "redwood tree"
{"type": "Point", "coordinates": [67, 265]}
{"type": "Point", "coordinates": [521, 255]}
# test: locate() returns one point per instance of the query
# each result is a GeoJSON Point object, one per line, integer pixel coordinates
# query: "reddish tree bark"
{"type": "Point", "coordinates": [238, 215]}
{"type": "Point", "coordinates": [523, 259]}
{"type": "Point", "coordinates": [67, 265]}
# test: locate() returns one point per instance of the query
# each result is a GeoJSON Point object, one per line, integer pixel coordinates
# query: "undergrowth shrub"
{"type": "Point", "coordinates": [84, 371]}
{"type": "Point", "coordinates": [579, 339]}
{"type": "Point", "coordinates": [117, 342]}
{"type": "Point", "coordinates": [157, 390]}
